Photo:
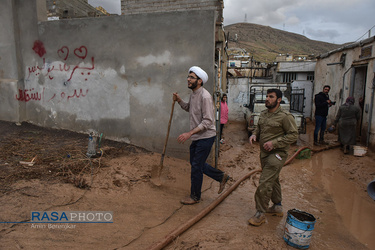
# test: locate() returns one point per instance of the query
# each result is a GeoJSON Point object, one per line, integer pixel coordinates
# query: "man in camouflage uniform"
{"type": "Point", "coordinates": [276, 130]}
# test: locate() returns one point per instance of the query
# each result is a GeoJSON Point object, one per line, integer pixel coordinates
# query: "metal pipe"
{"type": "Point", "coordinates": [217, 115]}
{"type": "Point", "coordinates": [329, 64]}
{"type": "Point", "coordinates": [217, 143]}
{"type": "Point", "coordinates": [343, 84]}
{"type": "Point", "coordinates": [220, 71]}
{"type": "Point", "coordinates": [371, 111]}
{"type": "Point", "coordinates": [217, 101]}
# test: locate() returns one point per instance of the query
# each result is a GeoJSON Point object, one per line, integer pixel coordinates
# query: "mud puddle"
{"type": "Point", "coordinates": [352, 202]}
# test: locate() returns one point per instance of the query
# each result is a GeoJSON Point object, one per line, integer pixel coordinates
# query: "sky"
{"type": "Point", "coordinates": [333, 21]}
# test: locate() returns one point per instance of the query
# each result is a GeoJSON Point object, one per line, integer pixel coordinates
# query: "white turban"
{"type": "Point", "coordinates": [200, 73]}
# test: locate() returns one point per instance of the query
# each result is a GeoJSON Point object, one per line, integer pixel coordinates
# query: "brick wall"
{"type": "Point", "coordinates": [129, 7]}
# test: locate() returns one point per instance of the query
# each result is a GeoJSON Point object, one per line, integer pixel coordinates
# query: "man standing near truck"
{"type": "Point", "coordinates": [322, 103]}
{"type": "Point", "coordinates": [276, 130]}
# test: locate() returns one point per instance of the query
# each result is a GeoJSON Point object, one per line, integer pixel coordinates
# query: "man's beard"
{"type": "Point", "coordinates": [193, 85]}
{"type": "Point", "coordinates": [271, 105]}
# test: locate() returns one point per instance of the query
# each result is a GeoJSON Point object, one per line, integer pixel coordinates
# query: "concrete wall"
{"type": "Point", "coordinates": [136, 6]}
{"type": "Point", "coordinates": [41, 10]}
{"type": "Point", "coordinates": [299, 66]}
{"type": "Point", "coordinates": [8, 41]}
{"type": "Point", "coordinates": [115, 75]}
{"type": "Point", "coordinates": [237, 97]}
{"type": "Point", "coordinates": [355, 77]}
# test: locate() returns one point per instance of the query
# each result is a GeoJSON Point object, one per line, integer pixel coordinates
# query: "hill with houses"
{"type": "Point", "coordinates": [265, 43]}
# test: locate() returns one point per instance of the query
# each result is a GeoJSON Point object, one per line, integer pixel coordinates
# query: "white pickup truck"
{"type": "Point", "coordinates": [258, 95]}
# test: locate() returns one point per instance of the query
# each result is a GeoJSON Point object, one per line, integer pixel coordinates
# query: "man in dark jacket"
{"type": "Point", "coordinates": [322, 103]}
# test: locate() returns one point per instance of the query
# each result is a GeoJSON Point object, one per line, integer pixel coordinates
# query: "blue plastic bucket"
{"type": "Point", "coordinates": [298, 229]}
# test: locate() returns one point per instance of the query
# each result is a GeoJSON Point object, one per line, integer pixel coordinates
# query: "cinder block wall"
{"type": "Point", "coordinates": [147, 6]}
{"type": "Point", "coordinates": [115, 75]}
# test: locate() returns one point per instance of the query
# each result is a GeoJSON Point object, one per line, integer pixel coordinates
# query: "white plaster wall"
{"type": "Point", "coordinates": [237, 97]}
{"type": "Point", "coordinates": [339, 78]}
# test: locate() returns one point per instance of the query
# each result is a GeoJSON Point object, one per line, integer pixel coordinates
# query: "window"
{"type": "Point", "coordinates": [366, 52]}
{"type": "Point", "coordinates": [310, 76]}
{"type": "Point", "coordinates": [289, 77]}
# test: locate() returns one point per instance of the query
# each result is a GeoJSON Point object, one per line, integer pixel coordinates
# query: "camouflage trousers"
{"type": "Point", "coordinates": [269, 184]}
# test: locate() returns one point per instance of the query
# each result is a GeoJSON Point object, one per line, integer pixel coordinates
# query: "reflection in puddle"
{"type": "Point", "coordinates": [352, 204]}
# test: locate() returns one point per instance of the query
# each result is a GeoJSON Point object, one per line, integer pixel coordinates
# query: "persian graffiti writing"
{"type": "Point", "coordinates": [28, 94]}
{"type": "Point", "coordinates": [51, 71]}
{"type": "Point", "coordinates": [63, 53]}
{"type": "Point", "coordinates": [31, 94]}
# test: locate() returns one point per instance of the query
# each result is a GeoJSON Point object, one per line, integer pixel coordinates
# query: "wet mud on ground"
{"type": "Point", "coordinates": [330, 185]}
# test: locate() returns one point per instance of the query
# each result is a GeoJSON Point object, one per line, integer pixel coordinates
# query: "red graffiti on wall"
{"type": "Point", "coordinates": [54, 95]}
{"type": "Point", "coordinates": [78, 95]}
{"type": "Point", "coordinates": [81, 52]}
{"type": "Point", "coordinates": [63, 53]}
{"type": "Point", "coordinates": [39, 48]}
{"type": "Point", "coordinates": [78, 67]}
{"type": "Point", "coordinates": [27, 95]}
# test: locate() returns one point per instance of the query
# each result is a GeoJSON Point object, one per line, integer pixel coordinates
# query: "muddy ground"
{"type": "Point", "coordinates": [330, 185]}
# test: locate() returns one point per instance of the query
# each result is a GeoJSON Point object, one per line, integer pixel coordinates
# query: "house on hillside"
{"type": "Point", "coordinates": [350, 71]}
{"type": "Point", "coordinates": [68, 9]}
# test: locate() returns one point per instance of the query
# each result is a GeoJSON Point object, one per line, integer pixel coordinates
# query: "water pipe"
{"type": "Point", "coordinates": [343, 85]}
{"type": "Point", "coordinates": [176, 232]}
{"type": "Point", "coordinates": [294, 155]}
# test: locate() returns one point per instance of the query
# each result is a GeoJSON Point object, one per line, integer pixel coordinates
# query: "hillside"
{"type": "Point", "coordinates": [264, 42]}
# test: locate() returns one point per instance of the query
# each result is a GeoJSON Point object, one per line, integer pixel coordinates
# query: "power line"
{"type": "Point", "coordinates": [364, 34]}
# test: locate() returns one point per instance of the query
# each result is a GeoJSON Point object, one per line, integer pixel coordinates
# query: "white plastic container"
{"type": "Point", "coordinates": [359, 150]}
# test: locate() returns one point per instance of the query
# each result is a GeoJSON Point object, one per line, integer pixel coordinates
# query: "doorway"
{"type": "Point", "coordinates": [358, 91]}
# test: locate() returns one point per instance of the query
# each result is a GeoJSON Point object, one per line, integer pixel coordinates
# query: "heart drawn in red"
{"type": "Point", "coordinates": [81, 52]}
{"type": "Point", "coordinates": [63, 53]}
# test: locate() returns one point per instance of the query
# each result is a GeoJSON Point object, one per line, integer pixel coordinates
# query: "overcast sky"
{"type": "Point", "coordinates": [333, 21]}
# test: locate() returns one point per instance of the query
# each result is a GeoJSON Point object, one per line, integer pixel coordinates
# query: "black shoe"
{"type": "Point", "coordinates": [316, 143]}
